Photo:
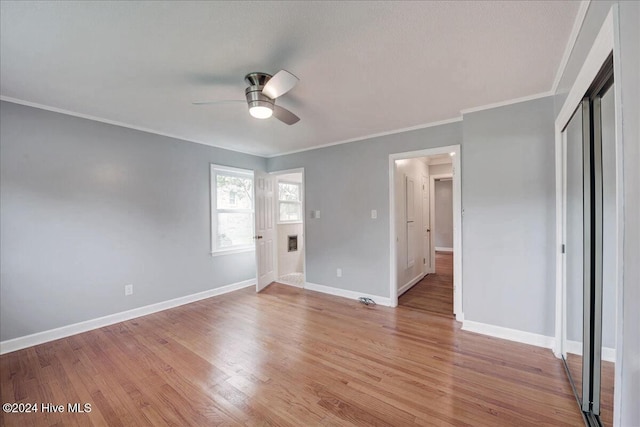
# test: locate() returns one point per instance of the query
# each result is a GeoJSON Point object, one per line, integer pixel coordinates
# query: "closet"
{"type": "Point", "coordinates": [590, 248]}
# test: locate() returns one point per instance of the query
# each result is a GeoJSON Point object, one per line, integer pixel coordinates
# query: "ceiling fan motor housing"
{"type": "Point", "coordinates": [254, 95]}
{"type": "Point", "coordinates": [257, 79]}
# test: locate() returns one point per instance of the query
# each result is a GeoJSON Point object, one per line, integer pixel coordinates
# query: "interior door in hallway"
{"type": "Point", "coordinates": [265, 229]}
{"type": "Point", "coordinates": [426, 228]}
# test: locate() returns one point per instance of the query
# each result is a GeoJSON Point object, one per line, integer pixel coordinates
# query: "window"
{"type": "Point", "coordinates": [232, 220]}
{"type": "Point", "coordinates": [289, 203]}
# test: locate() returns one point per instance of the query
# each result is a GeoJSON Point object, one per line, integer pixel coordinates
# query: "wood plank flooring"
{"type": "Point", "coordinates": [288, 357]}
{"type": "Point", "coordinates": [434, 293]}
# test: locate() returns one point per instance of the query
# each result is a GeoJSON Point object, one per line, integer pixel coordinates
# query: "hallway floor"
{"type": "Point", "coordinates": [434, 293]}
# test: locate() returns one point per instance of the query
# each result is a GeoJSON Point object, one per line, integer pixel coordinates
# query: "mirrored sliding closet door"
{"type": "Point", "coordinates": [590, 257]}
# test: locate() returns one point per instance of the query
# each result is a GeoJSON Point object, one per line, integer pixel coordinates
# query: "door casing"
{"type": "Point", "coordinates": [457, 223]}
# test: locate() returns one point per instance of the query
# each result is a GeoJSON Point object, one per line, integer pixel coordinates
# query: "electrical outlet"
{"type": "Point", "coordinates": [128, 290]}
{"type": "Point", "coordinates": [339, 272]}
{"type": "Point", "coordinates": [374, 214]}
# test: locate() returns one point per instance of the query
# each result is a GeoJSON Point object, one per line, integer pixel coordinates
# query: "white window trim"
{"type": "Point", "coordinates": [227, 170]}
{"type": "Point", "coordinates": [298, 202]}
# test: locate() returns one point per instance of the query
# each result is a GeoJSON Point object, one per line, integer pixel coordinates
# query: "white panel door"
{"type": "Point", "coordinates": [411, 225]}
{"type": "Point", "coordinates": [265, 236]}
{"type": "Point", "coordinates": [426, 228]}
{"type": "Point", "coordinates": [409, 199]}
{"type": "Point", "coordinates": [411, 244]}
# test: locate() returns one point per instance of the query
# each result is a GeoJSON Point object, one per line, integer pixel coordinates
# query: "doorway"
{"type": "Point", "coordinates": [412, 219]}
{"type": "Point", "coordinates": [289, 218]}
{"type": "Point", "coordinates": [433, 293]}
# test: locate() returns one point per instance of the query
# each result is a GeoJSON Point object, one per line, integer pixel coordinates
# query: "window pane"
{"type": "Point", "coordinates": [289, 192]}
{"type": "Point", "coordinates": [290, 211]}
{"type": "Point", "coordinates": [234, 229]}
{"type": "Point", "coordinates": [234, 192]}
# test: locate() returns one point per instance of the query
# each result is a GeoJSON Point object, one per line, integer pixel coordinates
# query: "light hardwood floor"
{"type": "Point", "coordinates": [288, 357]}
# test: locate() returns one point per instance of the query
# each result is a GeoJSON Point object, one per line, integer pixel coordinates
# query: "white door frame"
{"type": "Point", "coordinates": [457, 223]}
{"type": "Point", "coordinates": [304, 222]}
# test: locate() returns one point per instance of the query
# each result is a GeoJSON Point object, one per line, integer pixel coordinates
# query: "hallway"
{"type": "Point", "coordinates": [434, 293]}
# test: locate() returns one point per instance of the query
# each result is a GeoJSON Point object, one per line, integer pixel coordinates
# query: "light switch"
{"type": "Point", "coordinates": [317, 214]}
{"type": "Point", "coordinates": [374, 214]}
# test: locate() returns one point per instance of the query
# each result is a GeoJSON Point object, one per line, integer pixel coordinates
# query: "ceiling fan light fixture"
{"type": "Point", "coordinates": [260, 105]}
{"type": "Point", "coordinates": [260, 111]}
{"type": "Point", "coordinates": [262, 93]}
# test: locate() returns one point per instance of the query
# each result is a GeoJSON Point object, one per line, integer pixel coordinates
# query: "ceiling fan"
{"type": "Point", "coordinates": [262, 93]}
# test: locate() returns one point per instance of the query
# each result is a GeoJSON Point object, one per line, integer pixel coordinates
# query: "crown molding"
{"type": "Point", "coordinates": [506, 103]}
{"type": "Point", "coordinates": [573, 37]}
{"type": "Point", "coordinates": [374, 135]}
{"type": "Point", "coordinates": [115, 123]}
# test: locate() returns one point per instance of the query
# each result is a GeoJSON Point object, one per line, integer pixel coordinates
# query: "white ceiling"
{"type": "Point", "coordinates": [438, 159]}
{"type": "Point", "coordinates": [364, 67]}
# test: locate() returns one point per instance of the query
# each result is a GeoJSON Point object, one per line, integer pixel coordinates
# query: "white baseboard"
{"type": "Point", "coordinates": [404, 288]}
{"type": "Point", "coordinates": [41, 337]}
{"type": "Point", "coordinates": [508, 334]}
{"type": "Point", "coordinates": [575, 347]}
{"type": "Point", "coordinates": [347, 294]}
{"type": "Point", "coordinates": [441, 249]}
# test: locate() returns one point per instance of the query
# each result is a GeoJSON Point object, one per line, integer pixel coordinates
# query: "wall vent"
{"type": "Point", "coordinates": [292, 245]}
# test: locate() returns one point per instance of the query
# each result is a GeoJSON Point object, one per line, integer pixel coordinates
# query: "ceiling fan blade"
{"type": "Point", "coordinates": [280, 84]}
{"type": "Point", "coordinates": [285, 115]}
{"type": "Point", "coordinates": [224, 101]}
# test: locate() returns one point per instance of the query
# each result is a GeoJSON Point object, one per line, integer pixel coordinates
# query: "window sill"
{"type": "Point", "coordinates": [232, 251]}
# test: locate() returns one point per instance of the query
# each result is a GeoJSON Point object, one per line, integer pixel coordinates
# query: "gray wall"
{"type": "Point", "coordinates": [345, 182]}
{"type": "Point", "coordinates": [443, 201]}
{"type": "Point", "coordinates": [629, 86]}
{"type": "Point", "coordinates": [508, 197]}
{"type": "Point", "coordinates": [88, 207]}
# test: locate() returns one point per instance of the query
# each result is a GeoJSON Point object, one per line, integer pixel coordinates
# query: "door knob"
{"type": "Point", "coordinates": [257, 237]}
